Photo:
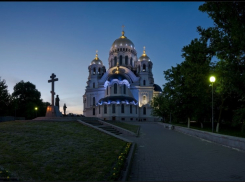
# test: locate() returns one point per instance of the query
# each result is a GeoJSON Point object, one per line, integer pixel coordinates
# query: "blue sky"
{"type": "Point", "coordinates": [41, 38]}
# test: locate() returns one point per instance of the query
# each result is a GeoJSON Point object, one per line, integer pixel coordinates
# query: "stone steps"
{"type": "Point", "coordinates": [110, 129]}
{"type": "Point", "coordinates": [104, 127]}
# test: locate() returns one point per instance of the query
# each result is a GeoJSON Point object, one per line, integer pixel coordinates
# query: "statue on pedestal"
{"type": "Point", "coordinates": [64, 108]}
{"type": "Point", "coordinates": [57, 100]}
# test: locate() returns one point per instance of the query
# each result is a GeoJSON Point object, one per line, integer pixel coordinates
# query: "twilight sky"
{"type": "Point", "coordinates": [41, 38]}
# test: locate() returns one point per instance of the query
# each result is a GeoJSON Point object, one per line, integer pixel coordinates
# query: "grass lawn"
{"type": "Point", "coordinates": [130, 127]}
{"type": "Point", "coordinates": [52, 151]}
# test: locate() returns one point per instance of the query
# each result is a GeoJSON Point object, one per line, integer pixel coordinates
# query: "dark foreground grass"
{"type": "Point", "coordinates": [52, 151]}
{"type": "Point", "coordinates": [130, 127]}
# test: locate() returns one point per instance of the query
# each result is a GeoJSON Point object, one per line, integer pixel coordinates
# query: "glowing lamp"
{"type": "Point", "coordinates": [212, 79]}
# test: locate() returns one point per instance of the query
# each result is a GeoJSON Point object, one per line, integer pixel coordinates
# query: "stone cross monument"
{"type": "Point", "coordinates": [53, 111]}
{"type": "Point", "coordinates": [53, 79]}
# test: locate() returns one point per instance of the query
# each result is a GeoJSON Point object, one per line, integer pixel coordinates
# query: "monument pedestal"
{"type": "Point", "coordinates": [53, 111]}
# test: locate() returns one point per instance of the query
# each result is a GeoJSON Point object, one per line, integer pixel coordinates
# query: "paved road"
{"type": "Point", "coordinates": [167, 155]}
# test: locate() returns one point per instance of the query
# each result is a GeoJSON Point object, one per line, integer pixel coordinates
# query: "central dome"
{"type": "Point", "coordinates": [122, 41]}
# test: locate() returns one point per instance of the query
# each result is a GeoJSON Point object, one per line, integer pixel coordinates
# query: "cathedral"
{"type": "Point", "coordinates": [124, 91]}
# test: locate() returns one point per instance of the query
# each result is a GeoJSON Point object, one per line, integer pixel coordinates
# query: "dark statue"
{"type": "Point", "coordinates": [57, 100]}
{"type": "Point", "coordinates": [64, 108]}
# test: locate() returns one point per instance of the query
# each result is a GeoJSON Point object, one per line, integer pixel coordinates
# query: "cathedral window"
{"type": "Point", "coordinates": [113, 108]}
{"type": "Point", "coordinates": [93, 111]}
{"type": "Point", "coordinates": [93, 85]}
{"type": "Point", "coordinates": [143, 82]}
{"type": "Point", "coordinates": [144, 67]}
{"type": "Point", "coordinates": [131, 61]}
{"type": "Point", "coordinates": [124, 89]}
{"type": "Point", "coordinates": [120, 60]}
{"type": "Point", "coordinates": [115, 61]}
{"type": "Point", "coordinates": [126, 60]}
{"type": "Point", "coordinates": [105, 109]}
{"type": "Point", "coordinates": [115, 88]}
{"type": "Point", "coordinates": [144, 110]}
{"type": "Point", "coordinates": [144, 97]}
{"type": "Point", "coordinates": [130, 109]}
{"type": "Point", "coordinates": [122, 108]}
{"type": "Point", "coordinates": [94, 71]}
{"type": "Point", "coordinates": [93, 101]}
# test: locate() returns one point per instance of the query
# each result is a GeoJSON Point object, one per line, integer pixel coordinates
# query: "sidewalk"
{"type": "Point", "coordinates": [167, 155]}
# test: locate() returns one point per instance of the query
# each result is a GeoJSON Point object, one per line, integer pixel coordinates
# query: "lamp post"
{"type": "Point", "coordinates": [212, 80]}
{"type": "Point", "coordinates": [36, 110]}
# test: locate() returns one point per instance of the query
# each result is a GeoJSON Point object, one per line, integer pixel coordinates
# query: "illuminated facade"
{"type": "Point", "coordinates": [125, 90]}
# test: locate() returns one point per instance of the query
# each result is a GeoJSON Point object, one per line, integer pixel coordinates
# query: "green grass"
{"type": "Point", "coordinates": [223, 129]}
{"type": "Point", "coordinates": [130, 127]}
{"type": "Point", "coordinates": [51, 151]}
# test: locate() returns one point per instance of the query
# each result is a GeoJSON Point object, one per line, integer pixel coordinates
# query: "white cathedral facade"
{"type": "Point", "coordinates": [124, 91]}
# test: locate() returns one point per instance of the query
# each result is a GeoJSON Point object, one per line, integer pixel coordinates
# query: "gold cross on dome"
{"type": "Point", "coordinates": [96, 56]}
{"type": "Point", "coordinates": [144, 54]}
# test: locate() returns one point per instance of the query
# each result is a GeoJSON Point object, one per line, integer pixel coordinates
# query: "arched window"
{"type": "Point", "coordinates": [130, 109]}
{"type": "Point", "coordinates": [131, 61]}
{"type": "Point", "coordinates": [120, 60]}
{"type": "Point", "coordinates": [93, 85]}
{"type": "Point", "coordinates": [124, 89]}
{"type": "Point", "coordinates": [99, 71]}
{"type": "Point", "coordinates": [107, 90]}
{"type": "Point", "coordinates": [126, 60]}
{"type": "Point", "coordinates": [144, 110]}
{"type": "Point", "coordinates": [144, 97]}
{"type": "Point", "coordinates": [94, 71]}
{"type": "Point", "coordinates": [123, 49]}
{"type": "Point", "coordinates": [93, 101]}
{"type": "Point", "coordinates": [93, 111]}
{"type": "Point", "coordinates": [143, 82]}
{"type": "Point", "coordinates": [144, 67]}
{"type": "Point", "coordinates": [115, 61]}
{"type": "Point", "coordinates": [105, 109]}
{"type": "Point", "coordinates": [122, 108]}
{"type": "Point", "coordinates": [115, 88]}
{"type": "Point", "coordinates": [113, 108]}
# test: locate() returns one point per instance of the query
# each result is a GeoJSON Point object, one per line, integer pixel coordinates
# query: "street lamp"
{"type": "Point", "coordinates": [212, 80]}
{"type": "Point", "coordinates": [36, 110]}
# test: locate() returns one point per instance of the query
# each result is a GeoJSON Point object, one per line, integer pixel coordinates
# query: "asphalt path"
{"type": "Point", "coordinates": [168, 155]}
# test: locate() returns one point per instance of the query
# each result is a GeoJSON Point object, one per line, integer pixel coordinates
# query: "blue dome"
{"type": "Point", "coordinates": [120, 77]}
{"type": "Point", "coordinates": [118, 98]}
{"type": "Point", "coordinates": [157, 88]}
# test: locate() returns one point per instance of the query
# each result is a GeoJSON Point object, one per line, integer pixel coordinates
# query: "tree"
{"type": "Point", "coordinates": [227, 39]}
{"type": "Point", "coordinates": [161, 106]}
{"type": "Point", "coordinates": [27, 97]}
{"type": "Point", "coordinates": [4, 98]}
